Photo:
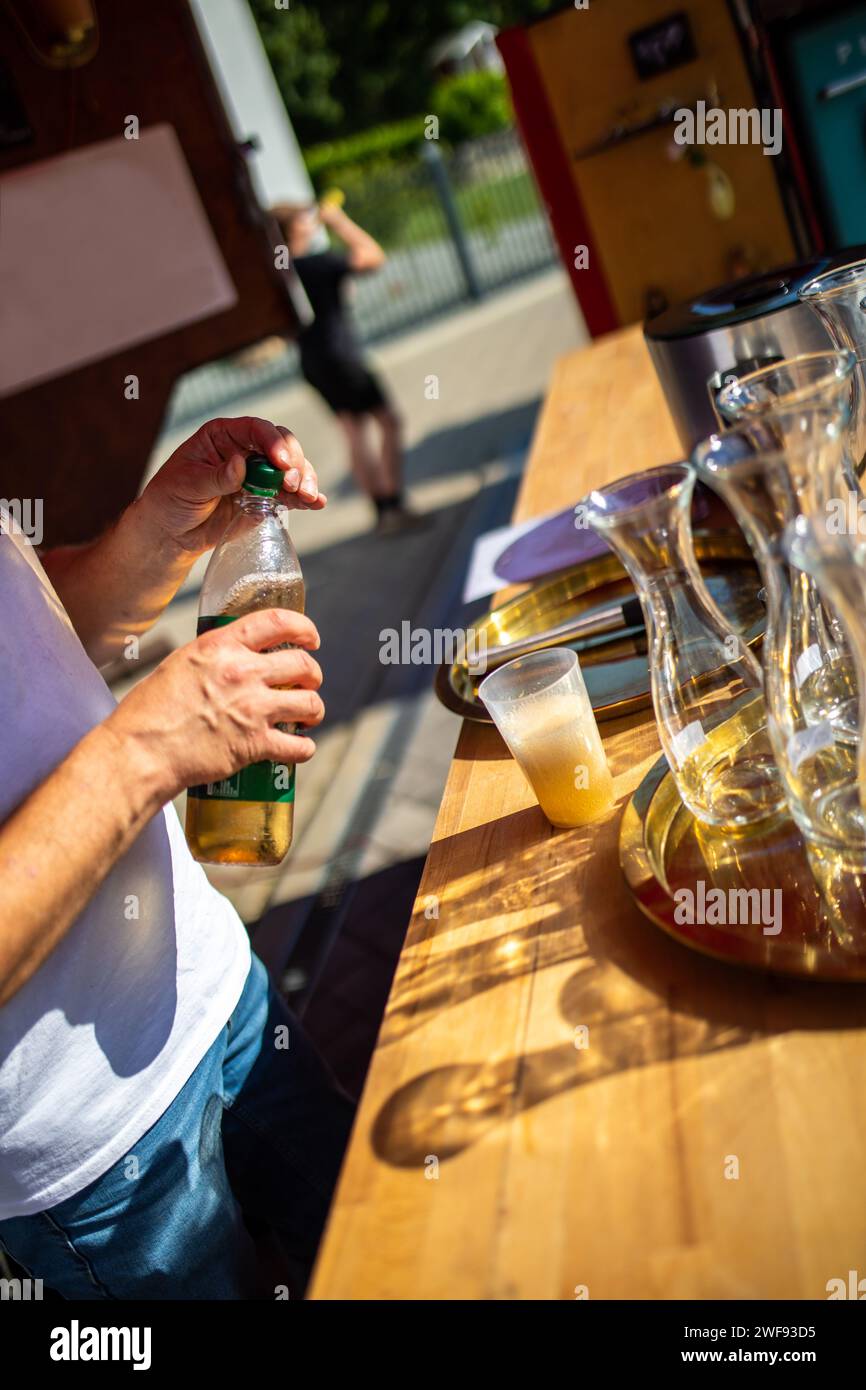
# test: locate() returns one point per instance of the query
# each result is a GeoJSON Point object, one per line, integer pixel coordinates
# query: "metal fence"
{"type": "Point", "coordinates": [456, 226]}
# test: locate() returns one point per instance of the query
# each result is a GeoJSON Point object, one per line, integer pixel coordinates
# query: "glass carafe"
{"type": "Point", "coordinates": [803, 405]}
{"type": "Point", "coordinates": [838, 567]}
{"type": "Point", "coordinates": [793, 403]}
{"type": "Point", "coordinates": [706, 684]}
{"type": "Point", "coordinates": [838, 298]}
{"type": "Point", "coordinates": [818, 767]}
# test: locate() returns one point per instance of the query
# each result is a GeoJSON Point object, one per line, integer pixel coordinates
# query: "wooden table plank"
{"type": "Point", "coordinates": [606, 1166]}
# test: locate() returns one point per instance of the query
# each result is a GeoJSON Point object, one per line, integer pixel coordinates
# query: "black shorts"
{"type": "Point", "coordinates": [346, 384]}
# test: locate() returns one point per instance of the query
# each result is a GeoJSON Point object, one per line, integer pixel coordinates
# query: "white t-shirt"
{"type": "Point", "coordinates": [99, 1041]}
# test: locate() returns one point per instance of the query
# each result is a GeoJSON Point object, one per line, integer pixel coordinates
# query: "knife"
{"type": "Point", "coordinates": [611, 622]}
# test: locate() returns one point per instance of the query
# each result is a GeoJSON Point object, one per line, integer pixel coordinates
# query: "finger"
{"type": "Point", "coordinates": [228, 478]}
{"type": "Point", "coordinates": [217, 460]}
{"type": "Point", "coordinates": [277, 443]}
{"type": "Point", "coordinates": [291, 668]}
{"type": "Point", "coordinates": [270, 626]}
{"type": "Point", "coordinates": [288, 748]}
{"type": "Point", "coordinates": [226, 442]}
{"type": "Point", "coordinates": [308, 488]}
{"type": "Point", "coordinates": [300, 480]}
{"type": "Point", "coordinates": [296, 707]}
{"type": "Point", "coordinates": [295, 503]}
{"type": "Point", "coordinates": [207, 479]}
{"type": "Point", "coordinates": [216, 454]}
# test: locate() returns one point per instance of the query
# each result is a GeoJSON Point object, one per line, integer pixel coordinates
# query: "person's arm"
{"type": "Point", "coordinates": [363, 252]}
{"type": "Point", "coordinates": [116, 586]}
{"type": "Point", "coordinates": [206, 711]}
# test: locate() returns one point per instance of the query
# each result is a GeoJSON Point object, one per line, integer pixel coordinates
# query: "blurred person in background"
{"type": "Point", "coordinates": [332, 361]}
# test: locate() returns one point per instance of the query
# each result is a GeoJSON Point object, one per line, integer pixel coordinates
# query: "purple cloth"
{"type": "Point", "coordinates": [557, 544]}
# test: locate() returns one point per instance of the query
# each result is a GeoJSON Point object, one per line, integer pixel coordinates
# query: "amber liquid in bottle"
{"type": "Point", "coordinates": [246, 832]}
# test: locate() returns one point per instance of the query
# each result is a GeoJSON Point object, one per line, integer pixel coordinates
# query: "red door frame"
{"type": "Point", "coordinates": [555, 181]}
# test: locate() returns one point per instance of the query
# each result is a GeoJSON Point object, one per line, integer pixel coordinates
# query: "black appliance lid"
{"type": "Point", "coordinates": [743, 300]}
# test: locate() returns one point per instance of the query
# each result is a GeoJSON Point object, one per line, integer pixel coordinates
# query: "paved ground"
{"type": "Point", "coordinates": [330, 921]}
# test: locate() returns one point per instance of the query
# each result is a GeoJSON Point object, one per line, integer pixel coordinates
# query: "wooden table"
{"type": "Point", "coordinates": [709, 1142]}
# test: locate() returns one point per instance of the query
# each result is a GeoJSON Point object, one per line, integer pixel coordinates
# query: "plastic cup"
{"type": "Point", "coordinates": [540, 706]}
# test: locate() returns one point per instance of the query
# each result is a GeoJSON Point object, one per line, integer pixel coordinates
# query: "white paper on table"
{"type": "Point", "coordinates": [99, 249]}
{"type": "Point", "coordinates": [481, 577]}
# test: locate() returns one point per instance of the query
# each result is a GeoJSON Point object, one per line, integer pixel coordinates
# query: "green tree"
{"type": "Point", "coordinates": [304, 65]}
{"type": "Point", "coordinates": [475, 103]}
{"type": "Point", "coordinates": [345, 65]}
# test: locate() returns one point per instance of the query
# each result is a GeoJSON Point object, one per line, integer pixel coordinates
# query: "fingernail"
{"type": "Point", "coordinates": [284, 454]}
{"type": "Point", "coordinates": [309, 490]}
{"type": "Point", "coordinates": [293, 477]}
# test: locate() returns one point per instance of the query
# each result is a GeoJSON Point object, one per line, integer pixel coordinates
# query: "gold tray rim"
{"type": "Point", "coordinates": [709, 544]}
{"type": "Point", "coordinates": [638, 872]}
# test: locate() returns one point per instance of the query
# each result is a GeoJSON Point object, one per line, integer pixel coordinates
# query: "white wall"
{"type": "Point", "coordinates": [252, 99]}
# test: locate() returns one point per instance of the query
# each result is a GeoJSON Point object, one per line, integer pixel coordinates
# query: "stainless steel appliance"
{"type": "Point", "coordinates": [730, 331]}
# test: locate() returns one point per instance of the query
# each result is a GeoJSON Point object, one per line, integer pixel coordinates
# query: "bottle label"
{"type": "Point", "coordinates": [265, 781]}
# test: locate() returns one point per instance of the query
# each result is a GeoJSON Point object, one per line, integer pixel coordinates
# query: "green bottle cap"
{"type": "Point", "coordinates": [262, 477]}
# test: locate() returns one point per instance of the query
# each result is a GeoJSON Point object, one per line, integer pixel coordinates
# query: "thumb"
{"type": "Point", "coordinates": [229, 475]}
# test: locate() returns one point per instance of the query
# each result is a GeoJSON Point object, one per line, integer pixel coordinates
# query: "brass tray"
{"type": "Point", "coordinates": [817, 902]}
{"type": "Point", "coordinates": [617, 677]}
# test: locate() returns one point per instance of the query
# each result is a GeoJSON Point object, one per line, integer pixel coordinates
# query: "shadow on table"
{"type": "Point", "coordinates": [634, 998]}
{"type": "Point", "coordinates": [488, 746]}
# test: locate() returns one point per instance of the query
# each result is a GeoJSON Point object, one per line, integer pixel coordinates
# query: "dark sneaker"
{"type": "Point", "coordinates": [397, 521]}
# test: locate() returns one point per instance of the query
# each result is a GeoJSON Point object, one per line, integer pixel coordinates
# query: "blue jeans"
{"type": "Point", "coordinates": [250, 1147]}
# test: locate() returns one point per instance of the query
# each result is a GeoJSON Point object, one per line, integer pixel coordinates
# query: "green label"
{"type": "Point", "coordinates": [205, 624]}
{"type": "Point", "coordinates": [266, 781]}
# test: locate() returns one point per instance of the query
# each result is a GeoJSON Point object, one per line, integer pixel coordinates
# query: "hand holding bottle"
{"type": "Point", "coordinates": [211, 707]}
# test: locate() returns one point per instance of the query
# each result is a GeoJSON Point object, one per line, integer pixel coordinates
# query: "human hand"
{"type": "Point", "coordinates": [189, 499]}
{"type": "Point", "coordinates": [331, 211]}
{"type": "Point", "coordinates": [211, 707]}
